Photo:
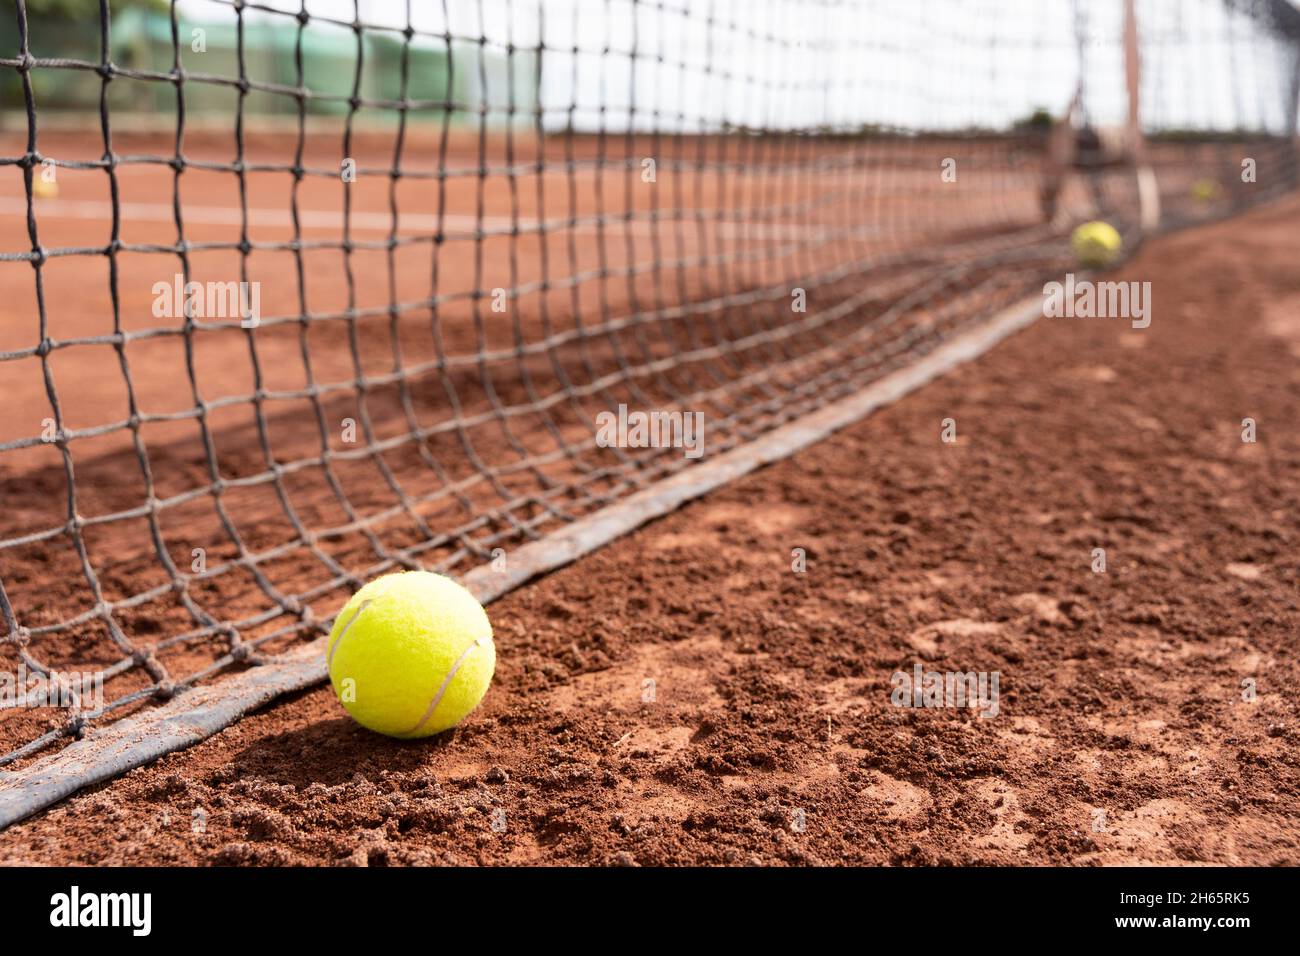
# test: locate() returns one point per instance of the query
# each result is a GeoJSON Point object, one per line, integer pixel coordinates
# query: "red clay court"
{"type": "Point", "coordinates": [826, 229]}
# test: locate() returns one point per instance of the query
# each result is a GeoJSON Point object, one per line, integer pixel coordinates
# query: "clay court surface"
{"type": "Point", "coordinates": [568, 229]}
{"type": "Point", "coordinates": [1120, 692]}
{"type": "Point", "coordinates": [478, 434]}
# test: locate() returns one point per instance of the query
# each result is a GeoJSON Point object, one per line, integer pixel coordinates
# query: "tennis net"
{"type": "Point", "coordinates": [298, 293]}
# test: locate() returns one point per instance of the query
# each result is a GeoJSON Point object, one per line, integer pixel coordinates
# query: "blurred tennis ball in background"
{"type": "Point", "coordinates": [411, 654]}
{"type": "Point", "coordinates": [1205, 190]}
{"type": "Point", "coordinates": [1096, 244]}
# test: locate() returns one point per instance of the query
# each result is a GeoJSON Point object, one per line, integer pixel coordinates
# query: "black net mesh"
{"type": "Point", "coordinates": [299, 293]}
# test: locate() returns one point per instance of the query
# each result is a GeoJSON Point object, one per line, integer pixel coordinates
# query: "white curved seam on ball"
{"type": "Point", "coordinates": [329, 662]}
{"type": "Point", "coordinates": [446, 682]}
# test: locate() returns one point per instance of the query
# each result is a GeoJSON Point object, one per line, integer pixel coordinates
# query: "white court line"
{"type": "Point", "coordinates": [407, 222]}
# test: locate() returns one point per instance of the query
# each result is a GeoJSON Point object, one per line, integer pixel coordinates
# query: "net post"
{"type": "Point", "coordinates": [1148, 187]}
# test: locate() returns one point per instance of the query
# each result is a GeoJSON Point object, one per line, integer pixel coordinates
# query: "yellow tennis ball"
{"type": "Point", "coordinates": [411, 654]}
{"type": "Point", "coordinates": [1205, 190]}
{"type": "Point", "coordinates": [1096, 244]}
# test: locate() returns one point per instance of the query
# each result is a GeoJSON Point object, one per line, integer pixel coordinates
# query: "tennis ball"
{"type": "Point", "coordinates": [411, 654]}
{"type": "Point", "coordinates": [1205, 190]}
{"type": "Point", "coordinates": [1096, 244]}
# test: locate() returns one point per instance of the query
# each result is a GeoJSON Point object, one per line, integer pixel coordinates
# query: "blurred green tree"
{"type": "Point", "coordinates": [83, 9]}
